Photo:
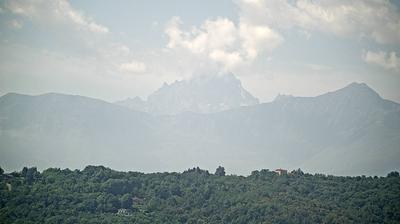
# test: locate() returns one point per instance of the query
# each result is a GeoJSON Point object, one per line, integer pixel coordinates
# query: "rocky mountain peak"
{"type": "Point", "coordinates": [201, 94]}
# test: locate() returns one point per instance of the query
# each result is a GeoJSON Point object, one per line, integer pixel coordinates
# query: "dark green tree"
{"type": "Point", "coordinates": [220, 171]}
{"type": "Point", "coordinates": [393, 174]}
{"type": "Point", "coordinates": [30, 174]}
{"type": "Point", "coordinates": [126, 201]}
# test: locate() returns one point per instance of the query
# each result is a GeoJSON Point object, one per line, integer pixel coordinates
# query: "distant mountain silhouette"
{"type": "Point", "coordinates": [350, 131]}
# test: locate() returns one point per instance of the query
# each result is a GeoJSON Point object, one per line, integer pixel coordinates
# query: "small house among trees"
{"type": "Point", "coordinates": [124, 212]}
{"type": "Point", "coordinates": [281, 171]}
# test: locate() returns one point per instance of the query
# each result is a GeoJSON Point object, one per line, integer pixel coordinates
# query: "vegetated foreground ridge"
{"type": "Point", "coordinates": [101, 195]}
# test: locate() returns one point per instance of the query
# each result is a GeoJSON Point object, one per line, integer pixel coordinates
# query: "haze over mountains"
{"type": "Point", "coordinates": [204, 122]}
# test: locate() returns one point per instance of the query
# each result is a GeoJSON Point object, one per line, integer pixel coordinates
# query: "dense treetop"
{"type": "Point", "coordinates": [98, 194]}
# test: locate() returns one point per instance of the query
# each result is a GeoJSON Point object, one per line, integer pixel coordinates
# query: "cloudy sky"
{"type": "Point", "coordinates": [118, 49]}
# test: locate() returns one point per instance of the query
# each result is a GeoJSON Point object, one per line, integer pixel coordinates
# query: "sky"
{"type": "Point", "coordinates": [113, 50]}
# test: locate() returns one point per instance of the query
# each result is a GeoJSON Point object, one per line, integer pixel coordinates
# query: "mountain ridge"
{"type": "Point", "coordinates": [277, 98]}
{"type": "Point", "coordinates": [315, 133]}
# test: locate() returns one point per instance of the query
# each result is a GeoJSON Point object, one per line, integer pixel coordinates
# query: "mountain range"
{"type": "Point", "coordinates": [204, 122]}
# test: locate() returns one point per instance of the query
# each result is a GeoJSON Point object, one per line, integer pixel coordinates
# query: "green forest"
{"type": "Point", "coordinates": [98, 194]}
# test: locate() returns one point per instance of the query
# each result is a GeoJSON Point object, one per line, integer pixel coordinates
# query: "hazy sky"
{"type": "Point", "coordinates": [117, 49]}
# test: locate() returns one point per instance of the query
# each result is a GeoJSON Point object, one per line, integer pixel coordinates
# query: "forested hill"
{"type": "Point", "coordinates": [101, 195]}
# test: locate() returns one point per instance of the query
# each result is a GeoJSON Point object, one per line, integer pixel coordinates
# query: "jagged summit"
{"type": "Point", "coordinates": [280, 97]}
{"type": "Point", "coordinates": [202, 94]}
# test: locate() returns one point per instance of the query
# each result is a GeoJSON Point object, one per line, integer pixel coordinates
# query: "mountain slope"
{"type": "Point", "coordinates": [64, 130]}
{"type": "Point", "coordinates": [354, 123]}
{"type": "Point", "coordinates": [349, 131]}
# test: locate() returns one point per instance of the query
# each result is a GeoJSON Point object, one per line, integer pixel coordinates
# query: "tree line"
{"type": "Point", "coordinates": [98, 194]}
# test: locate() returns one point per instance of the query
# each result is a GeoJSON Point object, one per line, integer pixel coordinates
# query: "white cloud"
{"type": "Point", "coordinates": [222, 41]}
{"type": "Point", "coordinates": [389, 61]}
{"type": "Point", "coordinates": [80, 20]}
{"type": "Point", "coordinates": [377, 20]}
{"type": "Point", "coordinates": [80, 31]}
{"type": "Point", "coordinates": [256, 39]}
{"type": "Point", "coordinates": [133, 67]}
{"type": "Point", "coordinates": [217, 34]}
{"type": "Point", "coordinates": [54, 12]}
{"type": "Point", "coordinates": [262, 23]}
{"type": "Point", "coordinates": [228, 59]}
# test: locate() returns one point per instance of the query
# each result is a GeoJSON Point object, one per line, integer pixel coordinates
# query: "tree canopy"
{"type": "Point", "coordinates": [98, 194]}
